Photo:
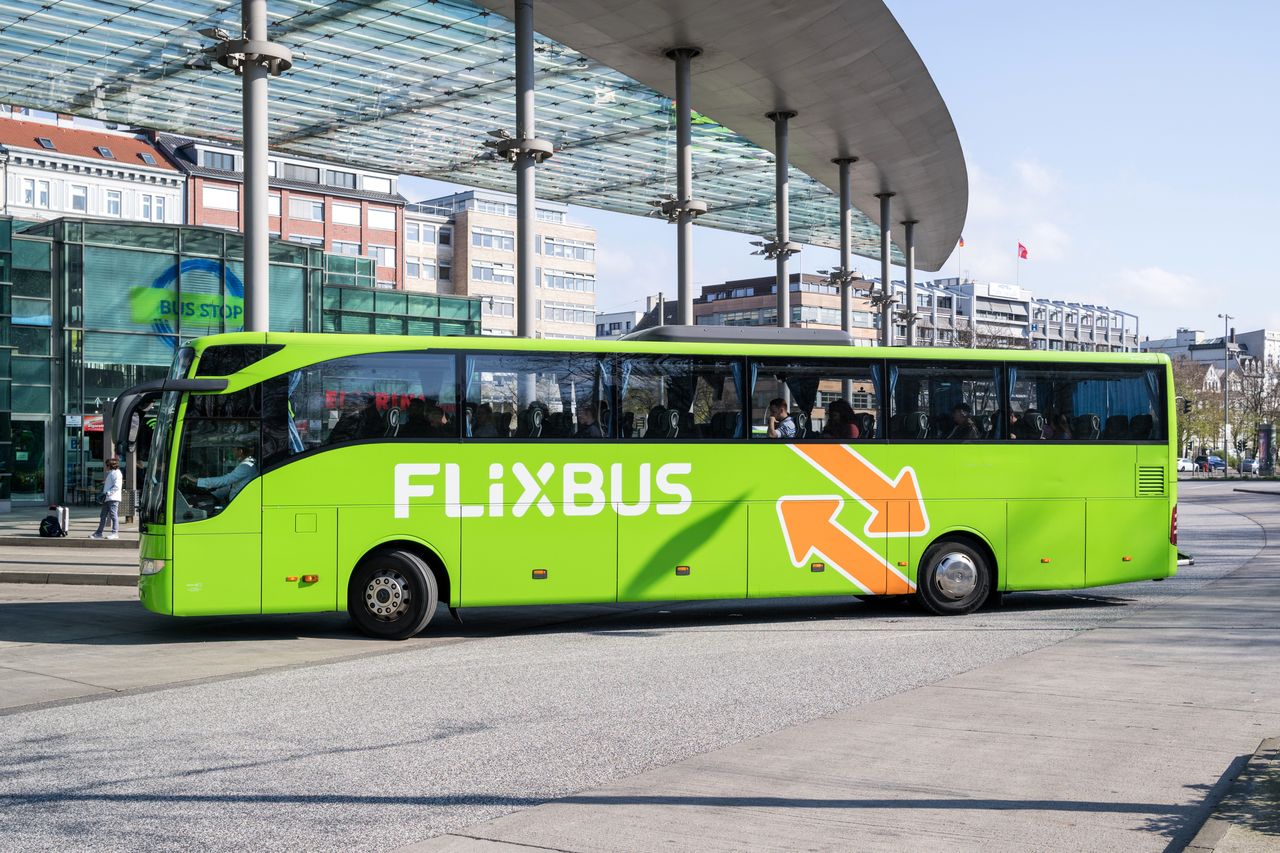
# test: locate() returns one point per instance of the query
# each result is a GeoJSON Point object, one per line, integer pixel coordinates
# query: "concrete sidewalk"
{"type": "Point", "coordinates": [21, 527]}
{"type": "Point", "coordinates": [1122, 738]}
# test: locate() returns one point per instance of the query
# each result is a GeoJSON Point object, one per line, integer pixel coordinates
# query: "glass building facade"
{"type": "Point", "coordinates": [89, 308]}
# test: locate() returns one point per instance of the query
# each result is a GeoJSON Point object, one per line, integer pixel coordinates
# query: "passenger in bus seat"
{"type": "Point", "coordinates": [841, 422]}
{"type": "Point", "coordinates": [484, 425]}
{"type": "Point", "coordinates": [438, 423]}
{"type": "Point", "coordinates": [587, 425]}
{"type": "Point", "coordinates": [964, 428]}
{"type": "Point", "coordinates": [778, 420]}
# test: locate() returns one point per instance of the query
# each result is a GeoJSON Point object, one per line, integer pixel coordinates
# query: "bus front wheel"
{"type": "Point", "coordinates": [954, 578]}
{"type": "Point", "coordinates": [392, 595]}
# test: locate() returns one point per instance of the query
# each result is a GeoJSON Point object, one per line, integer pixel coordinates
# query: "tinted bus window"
{"type": "Point", "coordinates": [667, 398]}
{"type": "Point", "coordinates": [395, 396]}
{"type": "Point", "coordinates": [944, 401]}
{"type": "Point", "coordinates": [1082, 403]}
{"type": "Point", "coordinates": [837, 400]}
{"type": "Point", "coordinates": [535, 396]}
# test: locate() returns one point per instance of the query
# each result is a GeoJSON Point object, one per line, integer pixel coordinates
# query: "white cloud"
{"type": "Point", "coordinates": [1156, 286]}
{"type": "Point", "coordinates": [1035, 178]}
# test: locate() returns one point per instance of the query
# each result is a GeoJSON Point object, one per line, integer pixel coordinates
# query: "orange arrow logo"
{"type": "Point", "coordinates": [863, 482]}
{"type": "Point", "coordinates": [810, 527]}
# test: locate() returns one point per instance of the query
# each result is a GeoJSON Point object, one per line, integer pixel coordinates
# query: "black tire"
{"type": "Point", "coordinates": [392, 595]}
{"type": "Point", "coordinates": [954, 578]}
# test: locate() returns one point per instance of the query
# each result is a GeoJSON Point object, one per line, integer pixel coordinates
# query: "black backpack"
{"type": "Point", "coordinates": [49, 527]}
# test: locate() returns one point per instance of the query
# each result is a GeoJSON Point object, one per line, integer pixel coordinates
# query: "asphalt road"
{"type": "Point", "coordinates": [373, 753]}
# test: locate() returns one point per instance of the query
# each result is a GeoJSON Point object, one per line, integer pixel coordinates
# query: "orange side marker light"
{"type": "Point", "coordinates": [310, 578]}
{"type": "Point", "coordinates": [818, 567]}
{"type": "Point", "coordinates": [682, 571]}
{"type": "Point", "coordinates": [1044, 559]}
{"type": "Point", "coordinates": [1126, 558]}
{"type": "Point", "coordinates": [539, 574]}
{"type": "Point", "coordinates": [291, 579]}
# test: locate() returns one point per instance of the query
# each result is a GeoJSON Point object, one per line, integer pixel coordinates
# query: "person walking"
{"type": "Point", "coordinates": [112, 491]}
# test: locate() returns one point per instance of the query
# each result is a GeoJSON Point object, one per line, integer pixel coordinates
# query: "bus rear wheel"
{"type": "Point", "coordinates": [954, 579]}
{"type": "Point", "coordinates": [392, 595]}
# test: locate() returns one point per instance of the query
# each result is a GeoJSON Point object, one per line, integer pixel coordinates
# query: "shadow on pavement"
{"type": "Point", "coordinates": [127, 623]}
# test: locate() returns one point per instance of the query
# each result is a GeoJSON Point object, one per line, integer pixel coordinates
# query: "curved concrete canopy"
{"type": "Point", "coordinates": [845, 67]}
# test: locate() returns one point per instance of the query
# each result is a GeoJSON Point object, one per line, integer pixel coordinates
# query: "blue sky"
{"type": "Point", "coordinates": [1130, 145]}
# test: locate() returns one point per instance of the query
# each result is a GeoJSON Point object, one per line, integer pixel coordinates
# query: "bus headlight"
{"type": "Point", "coordinates": [149, 566]}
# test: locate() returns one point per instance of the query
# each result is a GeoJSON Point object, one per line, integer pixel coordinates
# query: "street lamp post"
{"type": "Point", "coordinates": [1226, 384]}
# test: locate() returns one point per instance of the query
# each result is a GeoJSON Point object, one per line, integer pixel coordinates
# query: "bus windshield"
{"type": "Point", "coordinates": [153, 489]}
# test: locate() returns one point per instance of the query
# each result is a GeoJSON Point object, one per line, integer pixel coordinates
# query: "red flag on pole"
{"type": "Point", "coordinates": [1022, 252]}
{"type": "Point", "coordinates": [961, 241]}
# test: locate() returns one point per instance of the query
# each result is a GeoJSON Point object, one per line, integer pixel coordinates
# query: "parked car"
{"type": "Point", "coordinates": [1247, 466]}
{"type": "Point", "coordinates": [1185, 464]}
{"type": "Point", "coordinates": [1216, 463]}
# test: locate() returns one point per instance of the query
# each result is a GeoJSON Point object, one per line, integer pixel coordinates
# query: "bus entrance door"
{"type": "Point", "coordinates": [299, 554]}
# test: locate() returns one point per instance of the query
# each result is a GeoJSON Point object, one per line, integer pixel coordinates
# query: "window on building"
{"type": "Point", "coordinates": [578, 250]}
{"type": "Point", "coordinates": [563, 280]}
{"type": "Point", "coordinates": [273, 205]}
{"type": "Point", "coordinates": [346, 214]}
{"type": "Point", "coordinates": [383, 256]}
{"type": "Point", "coordinates": [310, 241]}
{"type": "Point", "coordinates": [498, 306]}
{"type": "Point", "coordinates": [113, 202]}
{"type": "Point", "coordinates": [46, 143]}
{"type": "Point", "coordinates": [423, 268]}
{"type": "Point", "coordinates": [307, 174]}
{"type": "Point", "coordinates": [335, 178]}
{"type": "Point", "coordinates": [42, 193]}
{"type": "Point", "coordinates": [444, 271]}
{"type": "Point", "coordinates": [382, 219]}
{"type": "Point", "coordinates": [79, 198]}
{"type": "Point", "coordinates": [563, 312]}
{"type": "Point", "coordinates": [223, 198]}
{"type": "Point", "coordinates": [147, 158]}
{"type": "Point", "coordinates": [271, 168]}
{"type": "Point", "coordinates": [153, 207]}
{"type": "Point", "coordinates": [306, 208]}
{"type": "Point", "coordinates": [221, 160]}
{"type": "Point", "coordinates": [493, 238]}
{"type": "Point", "coordinates": [534, 396]}
{"type": "Point", "coordinates": [345, 248]}
{"type": "Point", "coordinates": [411, 232]}
{"type": "Point", "coordinates": [446, 236]}
{"type": "Point", "coordinates": [497, 273]}
{"type": "Point", "coordinates": [377, 185]}
{"type": "Point", "coordinates": [104, 151]}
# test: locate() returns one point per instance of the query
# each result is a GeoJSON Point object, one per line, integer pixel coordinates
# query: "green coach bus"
{"type": "Point", "coordinates": [295, 473]}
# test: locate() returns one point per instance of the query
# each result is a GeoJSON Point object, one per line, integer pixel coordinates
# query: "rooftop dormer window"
{"type": "Point", "coordinates": [147, 158]}
{"type": "Point", "coordinates": [104, 151]}
{"type": "Point", "coordinates": [46, 143]}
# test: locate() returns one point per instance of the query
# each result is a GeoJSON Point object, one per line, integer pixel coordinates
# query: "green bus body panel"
{"type": "Point", "coordinates": [613, 520]}
{"type": "Point", "coordinates": [1045, 544]}
{"type": "Point", "coordinates": [297, 542]}
{"type": "Point", "coordinates": [699, 554]}
{"type": "Point", "coordinates": [217, 562]}
{"type": "Point", "coordinates": [156, 591]}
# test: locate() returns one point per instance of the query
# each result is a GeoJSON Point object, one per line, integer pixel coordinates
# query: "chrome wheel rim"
{"type": "Point", "coordinates": [387, 595]}
{"type": "Point", "coordinates": [956, 576]}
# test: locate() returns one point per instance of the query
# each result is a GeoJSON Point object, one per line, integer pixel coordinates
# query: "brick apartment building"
{"type": "Point", "coordinates": [344, 210]}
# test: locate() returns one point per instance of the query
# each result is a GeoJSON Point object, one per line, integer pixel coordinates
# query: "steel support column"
{"type": "Point", "coordinates": [525, 163]}
{"type": "Point", "coordinates": [910, 250]}
{"type": "Point", "coordinates": [783, 249]}
{"type": "Point", "coordinates": [846, 241]}
{"type": "Point", "coordinates": [886, 286]}
{"type": "Point", "coordinates": [684, 210]}
{"type": "Point", "coordinates": [257, 269]}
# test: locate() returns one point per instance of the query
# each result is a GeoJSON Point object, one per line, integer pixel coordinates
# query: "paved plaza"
{"type": "Point", "coordinates": [1112, 718]}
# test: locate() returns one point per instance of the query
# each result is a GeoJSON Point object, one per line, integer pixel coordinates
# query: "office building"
{"type": "Point", "coordinates": [815, 303]}
{"type": "Point", "coordinates": [474, 238]}
{"type": "Point", "coordinates": [615, 324]}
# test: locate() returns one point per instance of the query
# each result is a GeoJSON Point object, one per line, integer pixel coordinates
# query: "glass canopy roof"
{"type": "Point", "coordinates": [409, 86]}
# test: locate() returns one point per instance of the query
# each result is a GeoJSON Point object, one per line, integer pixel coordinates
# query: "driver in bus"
{"type": "Point", "coordinates": [227, 486]}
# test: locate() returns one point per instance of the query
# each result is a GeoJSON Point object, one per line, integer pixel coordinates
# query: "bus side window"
{"type": "Point", "coordinates": [539, 396]}
{"type": "Point", "coordinates": [1086, 402]}
{"type": "Point", "coordinates": [837, 400]}
{"type": "Point", "coordinates": [677, 398]}
{"type": "Point", "coordinates": [944, 401]}
{"type": "Point", "coordinates": [389, 396]}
